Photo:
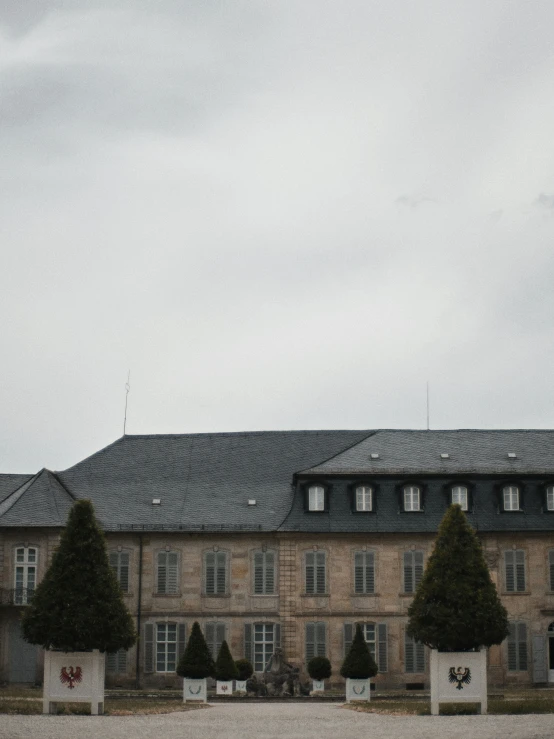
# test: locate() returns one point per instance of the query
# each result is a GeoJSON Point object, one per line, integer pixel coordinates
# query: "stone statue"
{"type": "Point", "coordinates": [278, 678]}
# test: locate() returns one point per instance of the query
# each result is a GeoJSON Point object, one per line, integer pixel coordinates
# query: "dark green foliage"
{"type": "Point", "coordinates": [319, 668]}
{"type": "Point", "coordinates": [225, 667]}
{"type": "Point", "coordinates": [78, 605]}
{"type": "Point", "coordinates": [244, 669]}
{"type": "Point", "coordinates": [358, 663]}
{"type": "Point", "coordinates": [196, 661]}
{"type": "Point", "coordinates": [456, 607]}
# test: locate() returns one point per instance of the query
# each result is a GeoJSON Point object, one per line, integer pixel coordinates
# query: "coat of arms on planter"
{"type": "Point", "coordinates": [460, 675]}
{"type": "Point", "coordinates": [71, 677]}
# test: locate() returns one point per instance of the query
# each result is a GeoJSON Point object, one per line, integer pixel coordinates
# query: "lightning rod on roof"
{"type": "Point", "coordinates": [427, 405]}
{"type": "Point", "coordinates": [127, 388]}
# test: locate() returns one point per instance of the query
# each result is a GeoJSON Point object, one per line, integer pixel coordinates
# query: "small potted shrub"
{"type": "Point", "coordinates": [196, 664]}
{"type": "Point", "coordinates": [357, 668]}
{"type": "Point", "coordinates": [319, 669]}
{"type": "Point", "coordinates": [225, 670]}
{"type": "Point", "coordinates": [245, 671]}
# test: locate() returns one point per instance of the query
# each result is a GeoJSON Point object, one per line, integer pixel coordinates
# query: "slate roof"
{"type": "Point", "coordinates": [9, 483]}
{"type": "Point", "coordinates": [470, 452]}
{"type": "Point", "coordinates": [40, 501]}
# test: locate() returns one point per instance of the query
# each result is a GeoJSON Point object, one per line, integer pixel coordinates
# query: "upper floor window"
{"type": "Point", "coordinates": [168, 573]}
{"type": "Point", "coordinates": [119, 561]}
{"type": "Point", "coordinates": [412, 498]}
{"type": "Point", "coordinates": [514, 567]}
{"type": "Point", "coordinates": [550, 498]}
{"type": "Point", "coordinates": [25, 574]}
{"type": "Point", "coordinates": [413, 570]}
{"type": "Point", "coordinates": [510, 497]}
{"type": "Point", "coordinates": [215, 568]}
{"type": "Point", "coordinates": [375, 636]}
{"type": "Point", "coordinates": [316, 641]}
{"type": "Point", "coordinates": [364, 572]}
{"type": "Point", "coordinates": [315, 573]}
{"type": "Point", "coordinates": [260, 641]}
{"type": "Point", "coordinates": [517, 646]}
{"type": "Point", "coordinates": [316, 498]}
{"type": "Point", "coordinates": [459, 496]}
{"type": "Point", "coordinates": [364, 498]}
{"type": "Point", "coordinates": [264, 573]}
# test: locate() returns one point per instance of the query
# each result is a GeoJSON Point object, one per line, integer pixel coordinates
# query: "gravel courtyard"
{"type": "Point", "coordinates": [275, 721]}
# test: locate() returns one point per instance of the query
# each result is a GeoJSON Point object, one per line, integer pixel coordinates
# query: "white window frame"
{"type": "Point", "coordinates": [514, 571]}
{"type": "Point", "coordinates": [263, 644]}
{"type": "Point", "coordinates": [264, 572]}
{"type": "Point", "coordinates": [166, 647]}
{"type": "Point", "coordinates": [364, 498]}
{"type": "Point", "coordinates": [121, 567]}
{"type": "Point", "coordinates": [25, 574]}
{"type": "Point", "coordinates": [167, 572]}
{"type": "Point", "coordinates": [364, 573]}
{"type": "Point", "coordinates": [315, 573]}
{"type": "Point", "coordinates": [216, 573]}
{"type": "Point", "coordinates": [550, 498]}
{"type": "Point", "coordinates": [460, 495]}
{"type": "Point", "coordinates": [510, 497]}
{"type": "Point", "coordinates": [412, 498]}
{"type": "Point", "coordinates": [316, 498]}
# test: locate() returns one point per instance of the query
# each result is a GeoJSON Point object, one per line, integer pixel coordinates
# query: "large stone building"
{"type": "Point", "coordinates": [291, 538]}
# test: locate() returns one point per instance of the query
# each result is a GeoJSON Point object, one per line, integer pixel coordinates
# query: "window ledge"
{"type": "Point", "coordinates": [364, 595]}
{"type": "Point", "coordinates": [264, 595]}
{"type": "Point", "coordinates": [315, 595]}
{"type": "Point", "coordinates": [167, 595]}
{"type": "Point", "coordinates": [518, 592]}
{"type": "Point", "coordinates": [216, 595]}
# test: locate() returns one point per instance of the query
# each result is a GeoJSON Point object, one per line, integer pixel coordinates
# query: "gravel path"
{"type": "Point", "coordinates": [277, 721]}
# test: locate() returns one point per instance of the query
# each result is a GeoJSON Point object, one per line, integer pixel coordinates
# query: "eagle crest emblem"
{"type": "Point", "coordinates": [70, 676]}
{"type": "Point", "coordinates": [461, 676]}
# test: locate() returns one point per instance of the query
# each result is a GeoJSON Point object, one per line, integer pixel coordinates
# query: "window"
{"type": "Point", "coordinates": [517, 646]}
{"type": "Point", "coordinates": [260, 641]}
{"type": "Point", "coordinates": [215, 573]}
{"type": "Point", "coordinates": [214, 632]}
{"type": "Point", "coordinates": [413, 570]}
{"type": "Point", "coordinates": [514, 567]}
{"type": "Point", "coordinates": [119, 561]}
{"type": "Point", "coordinates": [364, 572]}
{"type": "Point", "coordinates": [364, 498]}
{"type": "Point", "coordinates": [510, 495]}
{"type": "Point", "coordinates": [414, 655]}
{"type": "Point", "coordinates": [25, 574]}
{"type": "Point", "coordinates": [164, 643]}
{"type": "Point", "coordinates": [116, 662]}
{"type": "Point", "coordinates": [316, 498]}
{"type": "Point", "coordinates": [459, 496]}
{"type": "Point", "coordinates": [167, 573]}
{"type": "Point", "coordinates": [264, 573]}
{"type": "Point", "coordinates": [412, 498]}
{"type": "Point", "coordinates": [550, 498]}
{"type": "Point", "coordinates": [316, 578]}
{"type": "Point", "coordinates": [316, 642]}
{"type": "Point", "coordinates": [376, 638]}
{"type": "Point", "coordinates": [551, 568]}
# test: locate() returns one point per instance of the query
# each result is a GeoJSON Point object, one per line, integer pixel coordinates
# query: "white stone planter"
{"type": "Point", "coordinates": [357, 690]}
{"type": "Point", "coordinates": [318, 686]}
{"type": "Point", "coordinates": [240, 686]}
{"type": "Point", "coordinates": [458, 677]}
{"type": "Point", "coordinates": [74, 677]}
{"type": "Point", "coordinates": [224, 687]}
{"type": "Point", "coordinates": [195, 690]}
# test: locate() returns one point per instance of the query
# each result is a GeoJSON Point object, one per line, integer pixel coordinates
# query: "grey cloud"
{"type": "Point", "coordinates": [545, 201]}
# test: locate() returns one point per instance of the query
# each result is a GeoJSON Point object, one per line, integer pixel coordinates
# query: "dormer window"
{"type": "Point", "coordinates": [510, 497]}
{"type": "Point", "coordinates": [412, 498]}
{"type": "Point", "coordinates": [316, 498]}
{"type": "Point", "coordinates": [459, 496]}
{"type": "Point", "coordinates": [364, 498]}
{"type": "Point", "coordinates": [550, 498]}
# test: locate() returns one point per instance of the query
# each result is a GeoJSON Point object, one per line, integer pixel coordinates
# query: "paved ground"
{"type": "Point", "coordinates": [277, 721]}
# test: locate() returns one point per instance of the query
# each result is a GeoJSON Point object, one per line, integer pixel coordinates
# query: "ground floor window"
{"type": "Point", "coordinates": [376, 637]}
{"type": "Point", "coordinates": [164, 643]}
{"type": "Point", "coordinates": [116, 662]}
{"type": "Point", "coordinates": [517, 647]}
{"type": "Point", "coordinates": [414, 655]}
{"type": "Point", "coordinates": [260, 641]}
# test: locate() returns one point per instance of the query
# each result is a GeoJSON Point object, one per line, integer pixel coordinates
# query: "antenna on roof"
{"type": "Point", "coordinates": [127, 388]}
{"type": "Point", "coordinates": [427, 405]}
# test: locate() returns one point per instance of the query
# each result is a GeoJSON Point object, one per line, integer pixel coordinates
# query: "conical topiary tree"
{"type": "Point", "coordinates": [196, 661]}
{"type": "Point", "coordinates": [358, 663]}
{"type": "Point", "coordinates": [456, 607]}
{"type": "Point", "coordinates": [78, 606]}
{"type": "Point", "coordinates": [225, 667]}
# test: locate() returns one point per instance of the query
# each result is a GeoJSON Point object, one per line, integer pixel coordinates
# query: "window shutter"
{"type": "Point", "coordinates": [369, 572]}
{"type": "Point", "coordinates": [382, 647]}
{"type": "Point", "coordinates": [409, 654]}
{"type": "Point", "coordinates": [408, 573]}
{"type": "Point", "coordinates": [348, 637]}
{"type": "Point", "coordinates": [320, 639]}
{"type": "Point", "coordinates": [418, 568]}
{"type": "Point", "coordinates": [551, 567]}
{"type": "Point", "coordinates": [124, 571]}
{"type": "Point", "coordinates": [162, 572]}
{"type": "Point", "coordinates": [310, 567]}
{"type": "Point", "coordinates": [258, 573]}
{"type": "Point", "coordinates": [277, 634]}
{"type": "Point", "coordinates": [148, 647]}
{"type": "Point", "coordinates": [510, 571]}
{"type": "Point", "coordinates": [269, 572]}
{"type": "Point", "coordinates": [419, 657]}
{"type": "Point", "coordinates": [221, 583]}
{"type": "Point", "coordinates": [111, 662]}
{"type": "Point", "coordinates": [181, 640]}
{"type": "Point", "coordinates": [512, 651]}
{"type": "Point", "coordinates": [520, 570]}
{"type": "Point", "coordinates": [248, 642]}
{"type": "Point", "coordinates": [540, 670]}
{"type": "Point", "coordinates": [210, 573]}
{"type": "Point", "coordinates": [122, 660]}
{"type": "Point", "coordinates": [209, 635]}
{"type": "Point", "coordinates": [172, 574]}
{"type": "Point", "coordinates": [310, 641]}
{"type": "Point", "coordinates": [114, 556]}
{"type": "Point", "coordinates": [359, 572]}
{"type": "Point", "coordinates": [219, 636]}
{"type": "Point", "coordinates": [522, 645]}
{"type": "Point", "coordinates": [320, 575]}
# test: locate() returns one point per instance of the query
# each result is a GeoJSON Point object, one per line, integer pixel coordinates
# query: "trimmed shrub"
{"type": "Point", "coordinates": [456, 607]}
{"type": "Point", "coordinates": [225, 668]}
{"type": "Point", "coordinates": [196, 661]}
{"type": "Point", "coordinates": [244, 669]}
{"type": "Point", "coordinates": [78, 606]}
{"type": "Point", "coordinates": [358, 663]}
{"type": "Point", "coordinates": [319, 668]}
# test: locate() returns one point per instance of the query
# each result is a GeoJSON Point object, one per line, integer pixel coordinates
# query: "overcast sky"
{"type": "Point", "coordinates": [277, 215]}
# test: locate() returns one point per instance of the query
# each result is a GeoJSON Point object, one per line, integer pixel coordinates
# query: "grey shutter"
{"type": "Point", "coordinates": [162, 572]}
{"type": "Point", "coordinates": [122, 660]}
{"type": "Point", "coordinates": [418, 568]}
{"type": "Point", "coordinates": [551, 568]}
{"type": "Point", "coordinates": [111, 662]}
{"type": "Point", "coordinates": [172, 573]}
{"type": "Point", "coordinates": [310, 572]}
{"type": "Point", "coordinates": [209, 635]}
{"type": "Point", "coordinates": [348, 637]}
{"type": "Point", "coordinates": [359, 572]}
{"type": "Point", "coordinates": [320, 573]}
{"type": "Point", "coordinates": [419, 657]}
{"type": "Point", "coordinates": [258, 573]}
{"type": "Point", "coordinates": [320, 639]}
{"type": "Point", "coordinates": [409, 654]}
{"type": "Point", "coordinates": [210, 573]}
{"type": "Point", "coordinates": [522, 645]}
{"type": "Point", "coordinates": [148, 647]}
{"type": "Point", "coordinates": [512, 650]}
{"type": "Point", "coordinates": [277, 634]}
{"type": "Point", "coordinates": [219, 636]}
{"type": "Point", "coordinates": [269, 572]}
{"type": "Point", "coordinates": [248, 642]}
{"type": "Point", "coordinates": [382, 647]}
{"type": "Point", "coordinates": [509, 566]}
{"type": "Point", "coordinates": [114, 557]}
{"type": "Point", "coordinates": [540, 670]}
{"type": "Point", "coordinates": [181, 640]}
{"type": "Point", "coordinates": [124, 571]}
{"type": "Point", "coordinates": [408, 573]}
{"type": "Point", "coordinates": [221, 574]}
{"type": "Point", "coordinates": [520, 570]}
{"type": "Point", "coordinates": [369, 572]}
{"type": "Point", "coordinates": [310, 641]}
